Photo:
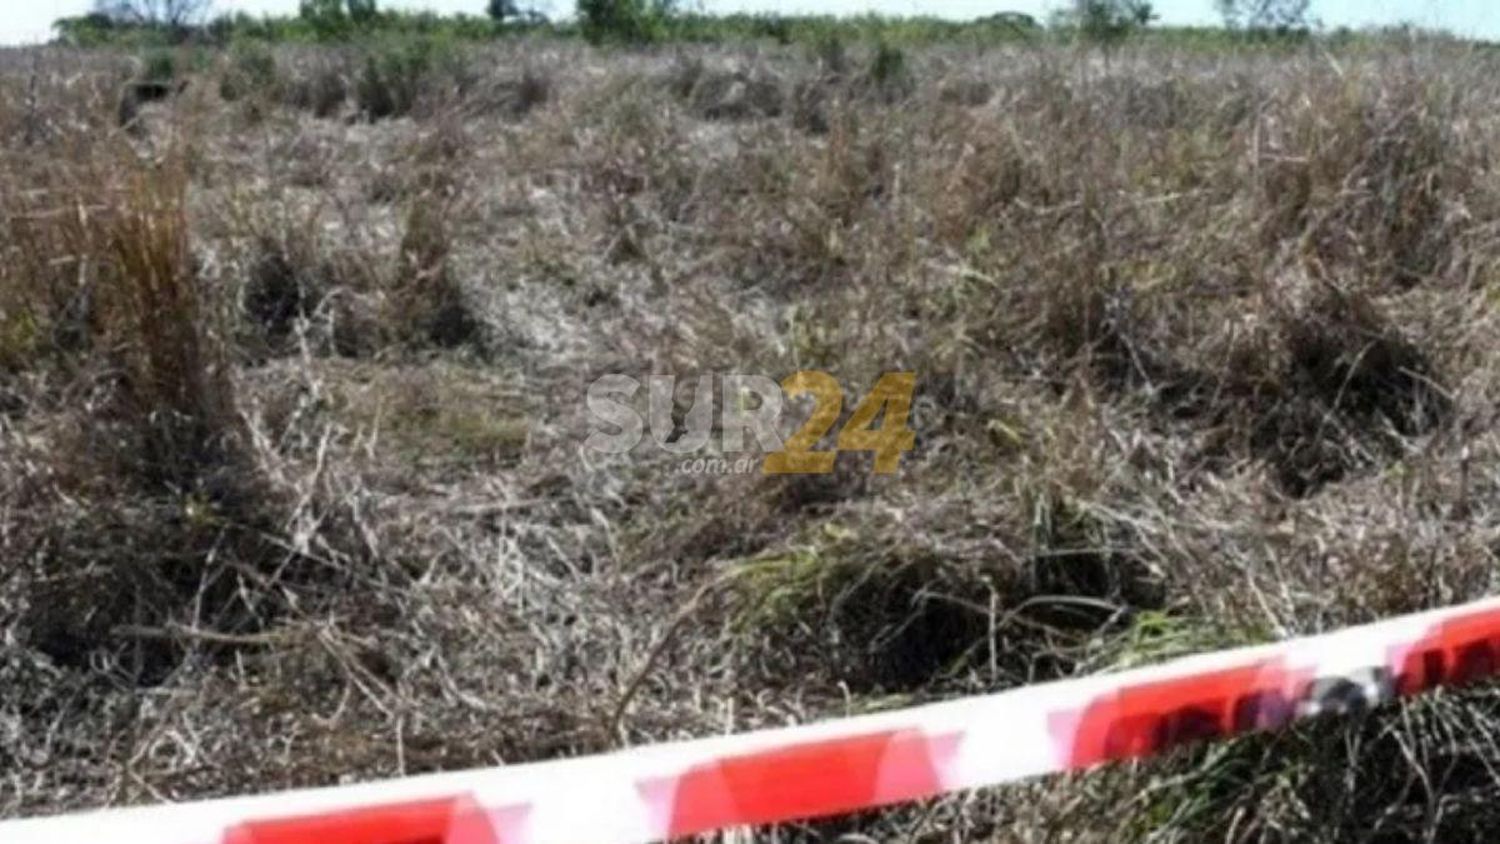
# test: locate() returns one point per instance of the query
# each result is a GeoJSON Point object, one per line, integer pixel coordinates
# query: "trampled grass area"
{"type": "Point", "coordinates": [293, 361]}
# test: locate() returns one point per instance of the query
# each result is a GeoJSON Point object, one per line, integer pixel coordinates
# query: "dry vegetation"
{"type": "Point", "coordinates": [292, 487]}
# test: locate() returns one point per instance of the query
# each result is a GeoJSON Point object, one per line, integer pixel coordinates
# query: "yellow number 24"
{"type": "Point", "coordinates": [892, 393]}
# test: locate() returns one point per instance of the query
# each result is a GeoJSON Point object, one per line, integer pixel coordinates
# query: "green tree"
{"type": "Point", "coordinates": [334, 18]}
{"type": "Point", "coordinates": [1280, 17]}
{"type": "Point", "coordinates": [1110, 21]}
{"type": "Point", "coordinates": [325, 16]}
{"type": "Point", "coordinates": [628, 21]}
{"type": "Point", "coordinates": [503, 10]}
{"type": "Point", "coordinates": [174, 14]}
{"type": "Point", "coordinates": [361, 11]}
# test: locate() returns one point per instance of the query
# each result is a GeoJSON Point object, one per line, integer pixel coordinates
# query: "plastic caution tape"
{"type": "Point", "coordinates": [672, 790]}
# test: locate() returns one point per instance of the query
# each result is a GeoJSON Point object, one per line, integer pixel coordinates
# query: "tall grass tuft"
{"type": "Point", "coordinates": [175, 386]}
{"type": "Point", "coordinates": [99, 272]}
{"type": "Point", "coordinates": [430, 305]}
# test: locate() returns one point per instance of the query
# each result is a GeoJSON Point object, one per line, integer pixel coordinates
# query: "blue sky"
{"type": "Point", "coordinates": [29, 20]}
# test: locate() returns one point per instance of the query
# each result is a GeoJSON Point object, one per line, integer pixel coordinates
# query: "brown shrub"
{"type": "Point", "coordinates": [736, 96]}
{"type": "Point", "coordinates": [428, 303]}
{"type": "Point", "coordinates": [1365, 176]}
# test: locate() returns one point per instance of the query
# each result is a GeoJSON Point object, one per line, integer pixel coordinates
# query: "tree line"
{"type": "Point", "coordinates": [632, 21]}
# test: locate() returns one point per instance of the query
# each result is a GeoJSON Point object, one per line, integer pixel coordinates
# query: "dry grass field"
{"type": "Point", "coordinates": [293, 488]}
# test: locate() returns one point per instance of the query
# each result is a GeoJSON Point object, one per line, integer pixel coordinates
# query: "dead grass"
{"type": "Point", "coordinates": [292, 410]}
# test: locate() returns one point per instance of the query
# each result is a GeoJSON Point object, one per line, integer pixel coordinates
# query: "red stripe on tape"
{"type": "Point", "coordinates": [1457, 651]}
{"type": "Point", "coordinates": [803, 781]}
{"type": "Point", "coordinates": [1145, 719]}
{"type": "Point", "coordinates": [458, 820]}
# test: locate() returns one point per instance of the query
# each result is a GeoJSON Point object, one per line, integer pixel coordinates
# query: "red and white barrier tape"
{"type": "Point", "coordinates": [673, 790]}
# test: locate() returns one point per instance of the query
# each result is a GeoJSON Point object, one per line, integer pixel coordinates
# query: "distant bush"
{"type": "Point", "coordinates": [625, 21]}
{"type": "Point", "coordinates": [533, 89]}
{"type": "Point", "coordinates": [831, 55]}
{"type": "Point", "coordinates": [503, 11]}
{"type": "Point", "coordinates": [136, 22]}
{"type": "Point", "coordinates": [176, 15]}
{"type": "Point", "coordinates": [390, 79]}
{"type": "Point", "coordinates": [1265, 17]}
{"type": "Point", "coordinates": [1018, 21]}
{"type": "Point", "coordinates": [156, 79]}
{"type": "Point", "coordinates": [1106, 22]}
{"type": "Point", "coordinates": [516, 97]}
{"type": "Point", "coordinates": [251, 71]}
{"type": "Point", "coordinates": [736, 96]}
{"type": "Point", "coordinates": [888, 64]}
{"type": "Point", "coordinates": [888, 77]}
{"type": "Point", "coordinates": [160, 67]}
{"type": "Point", "coordinates": [397, 74]}
{"type": "Point", "coordinates": [775, 27]}
{"type": "Point", "coordinates": [320, 89]}
{"type": "Point", "coordinates": [87, 30]}
{"type": "Point", "coordinates": [331, 19]}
